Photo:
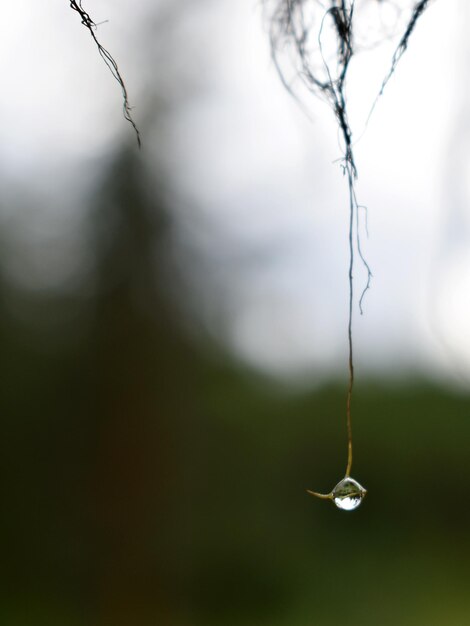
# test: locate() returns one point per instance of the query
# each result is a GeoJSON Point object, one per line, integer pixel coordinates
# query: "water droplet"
{"type": "Point", "coordinates": [348, 494]}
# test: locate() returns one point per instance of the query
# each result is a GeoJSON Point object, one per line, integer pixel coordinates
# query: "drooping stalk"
{"type": "Point", "coordinates": [298, 26]}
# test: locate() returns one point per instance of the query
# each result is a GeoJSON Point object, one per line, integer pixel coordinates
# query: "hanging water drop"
{"type": "Point", "coordinates": [347, 495]}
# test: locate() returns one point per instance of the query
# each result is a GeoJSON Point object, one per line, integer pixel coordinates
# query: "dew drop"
{"type": "Point", "coordinates": [348, 494]}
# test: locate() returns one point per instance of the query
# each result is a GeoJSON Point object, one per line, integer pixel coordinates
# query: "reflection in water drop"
{"type": "Point", "coordinates": [348, 494]}
{"type": "Point", "coordinates": [348, 504]}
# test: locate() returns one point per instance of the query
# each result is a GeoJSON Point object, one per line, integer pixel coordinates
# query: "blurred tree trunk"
{"type": "Point", "coordinates": [138, 371]}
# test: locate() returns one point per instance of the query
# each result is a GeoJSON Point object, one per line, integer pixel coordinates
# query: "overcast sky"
{"type": "Point", "coordinates": [267, 204]}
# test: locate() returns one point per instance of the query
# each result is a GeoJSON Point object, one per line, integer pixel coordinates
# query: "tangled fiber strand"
{"type": "Point", "coordinates": [417, 12]}
{"type": "Point", "coordinates": [319, 37]}
{"type": "Point", "coordinates": [91, 26]}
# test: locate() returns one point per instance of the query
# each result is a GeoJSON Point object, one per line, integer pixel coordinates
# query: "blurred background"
{"type": "Point", "coordinates": [173, 327]}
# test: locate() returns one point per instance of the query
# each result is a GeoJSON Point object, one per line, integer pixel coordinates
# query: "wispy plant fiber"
{"type": "Point", "coordinates": [91, 26]}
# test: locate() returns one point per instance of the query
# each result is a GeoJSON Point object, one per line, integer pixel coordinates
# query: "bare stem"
{"type": "Point", "coordinates": [323, 496]}
{"type": "Point", "coordinates": [351, 300]}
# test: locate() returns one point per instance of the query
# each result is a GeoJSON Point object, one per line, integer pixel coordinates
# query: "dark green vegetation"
{"type": "Point", "coordinates": [149, 482]}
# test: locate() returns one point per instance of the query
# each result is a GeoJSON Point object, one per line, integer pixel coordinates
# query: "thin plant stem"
{"type": "Point", "coordinates": [322, 496]}
{"type": "Point", "coordinates": [350, 319]}
{"type": "Point", "coordinates": [293, 29]}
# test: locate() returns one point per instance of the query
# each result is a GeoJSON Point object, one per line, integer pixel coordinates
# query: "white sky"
{"type": "Point", "coordinates": [267, 204]}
